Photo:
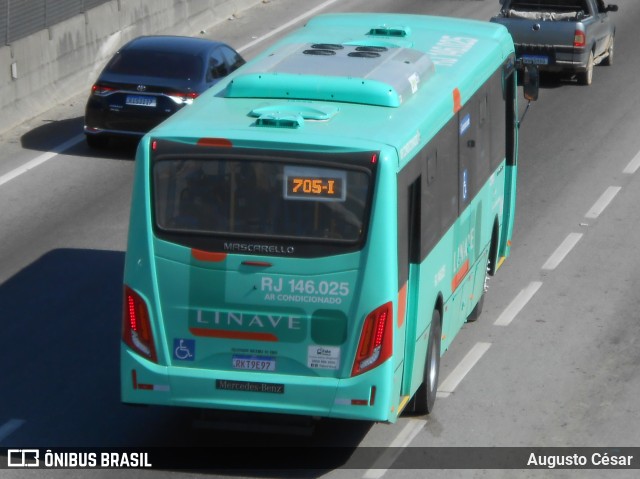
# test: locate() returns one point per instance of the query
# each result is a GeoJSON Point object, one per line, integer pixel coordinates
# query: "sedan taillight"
{"type": "Point", "coordinates": [182, 97]}
{"type": "Point", "coordinates": [101, 90]}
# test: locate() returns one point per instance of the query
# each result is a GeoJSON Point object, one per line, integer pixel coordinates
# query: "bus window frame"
{"type": "Point", "coordinates": [290, 246]}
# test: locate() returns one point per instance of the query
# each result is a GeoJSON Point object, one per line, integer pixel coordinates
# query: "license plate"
{"type": "Point", "coordinates": [141, 100]}
{"type": "Point", "coordinates": [254, 363]}
{"type": "Point", "coordinates": [535, 59]}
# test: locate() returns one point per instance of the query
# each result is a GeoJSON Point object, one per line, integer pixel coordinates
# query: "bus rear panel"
{"type": "Point", "coordinates": [296, 231]}
{"type": "Point", "coordinates": [259, 260]}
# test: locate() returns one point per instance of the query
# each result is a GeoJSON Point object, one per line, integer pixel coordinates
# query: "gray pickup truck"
{"type": "Point", "coordinates": [561, 35]}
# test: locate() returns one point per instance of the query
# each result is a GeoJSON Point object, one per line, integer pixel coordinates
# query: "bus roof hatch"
{"type": "Point", "coordinates": [354, 73]}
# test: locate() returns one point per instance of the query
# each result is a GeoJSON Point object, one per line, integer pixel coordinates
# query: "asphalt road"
{"type": "Point", "coordinates": [553, 361]}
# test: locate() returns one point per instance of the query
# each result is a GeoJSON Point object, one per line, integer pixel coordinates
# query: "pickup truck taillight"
{"type": "Point", "coordinates": [579, 39]}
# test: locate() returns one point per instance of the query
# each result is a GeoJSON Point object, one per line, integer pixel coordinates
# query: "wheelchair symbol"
{"type": "Point", "coordinates": [184, 349]}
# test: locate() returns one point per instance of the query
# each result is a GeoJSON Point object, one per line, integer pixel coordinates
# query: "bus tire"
{"type": "Point", "coordinates": [425, 397]}
{"type": "Point", "coordinates": [488, 271]}
{"type": "Point", "coordinates": [477, 310]}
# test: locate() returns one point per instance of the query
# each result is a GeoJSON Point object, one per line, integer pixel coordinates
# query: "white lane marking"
{"type": "Point", "coordinates": [37, 161]}
{"type": "Point", "coordinates": [461, 370]}
{"type": "Point", "coordinates": [604, 200]}
{"type": "Point", "coordinates": [563, 250]}
{"type": "Point", "coordinates": [633, 165]}
{"type": "Point", "coordinates": [518, 303]}
{"type": "Point", "coordinates": [286, 25]}
{"type": "Point", "coordinates": [408, 433]}
{"type": "Point", "coordinates": [10, 427]}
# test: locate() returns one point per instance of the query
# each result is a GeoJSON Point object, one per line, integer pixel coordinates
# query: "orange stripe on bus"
{"type": "Point", "coordinates": [457, 279]}
{"type": "Point", "coordinates": [225, 334]}
{"type": "Point", "coordinates": [457, 100]}
{"type": "Point", "coordinates": [221, 142]}
{"type": "Point", "coordinates": [207, 256]}
{"type": "Point", "coordinates": [402, 304]}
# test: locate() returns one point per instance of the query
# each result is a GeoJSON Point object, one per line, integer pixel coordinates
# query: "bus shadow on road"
{"type": "Point", "coordinates": [53, 133]}
{"type": "Point", "coordinates": [60, 323]}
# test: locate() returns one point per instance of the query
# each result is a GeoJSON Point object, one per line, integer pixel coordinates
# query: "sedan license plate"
{"type": "Point", "coordinates": [141, 100]}
{"type": "Point", "coordinates": [535, 60]}
{"type": "Point", "coordinates": [254, 363]}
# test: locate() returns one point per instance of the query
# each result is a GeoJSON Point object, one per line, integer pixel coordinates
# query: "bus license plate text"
{"type": "Point", "coordinates": [254, 363]}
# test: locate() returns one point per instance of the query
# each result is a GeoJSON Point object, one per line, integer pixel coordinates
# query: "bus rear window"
{"type": "Point", "coordinates": [259, 198]}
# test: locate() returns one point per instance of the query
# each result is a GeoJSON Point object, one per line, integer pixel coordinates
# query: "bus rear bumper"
{"type": "Point", "coordinates": [362, 397]}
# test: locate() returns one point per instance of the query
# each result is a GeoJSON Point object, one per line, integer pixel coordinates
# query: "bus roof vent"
{"type": "Point", "coordinates": [352, 73]}
{"type": "Point", "coordinates": [275, 120]}
{"type": "Point", "coordinates": [387, 31]}
{"type": "Point", "coordinates": [307, 111]}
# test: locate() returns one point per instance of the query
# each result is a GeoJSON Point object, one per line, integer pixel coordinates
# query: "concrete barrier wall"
{"type": "Point", "coordinates": [51, 66]}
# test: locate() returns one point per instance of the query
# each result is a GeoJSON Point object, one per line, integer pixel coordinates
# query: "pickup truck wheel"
{"type": "Point", "coordinates": [586, 77]}
{"type": "Point", "coordinates": [608, 60]}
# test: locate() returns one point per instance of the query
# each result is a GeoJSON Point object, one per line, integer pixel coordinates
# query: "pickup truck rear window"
{"type": "Point", "coordinates": [548, 5]}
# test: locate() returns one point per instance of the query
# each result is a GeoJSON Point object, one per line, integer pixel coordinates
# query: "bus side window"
{"type": "Point", "coordinates": [447, 152]}
{"type": "Point", "coordinates": [498, 120]}
{"type": "Point", "coordinates": [431, 200]}
{"type": "Point", "coordinates": [432, 167]}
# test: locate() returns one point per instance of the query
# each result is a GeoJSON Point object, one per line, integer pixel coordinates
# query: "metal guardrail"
{"type": "Point", "coordinates": [21, 18]}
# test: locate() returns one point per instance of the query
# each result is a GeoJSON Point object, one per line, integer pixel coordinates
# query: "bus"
{"type": "Point", "coordinates": [309, 236]}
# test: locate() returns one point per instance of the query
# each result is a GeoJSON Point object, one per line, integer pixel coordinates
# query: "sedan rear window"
{"type": "Point", "coordinates": [157, 64]}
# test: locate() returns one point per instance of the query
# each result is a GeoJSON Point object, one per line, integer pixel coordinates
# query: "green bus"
{"type": "Point", "coordinates": [310, 235]}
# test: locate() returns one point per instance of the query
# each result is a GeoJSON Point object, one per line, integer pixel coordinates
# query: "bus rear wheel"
{"type": "Point", "coordinates": [489, 270]}
{"type": "Point", "coordinates": [477, 310]}
{"type": "Point", "coordinates": [425, 397]}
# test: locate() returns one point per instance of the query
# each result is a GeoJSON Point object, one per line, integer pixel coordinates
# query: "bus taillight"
{"type": "Point", "coordinates": [376, 341]}
{"type": "Point", "coordinates": [136, 327]}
